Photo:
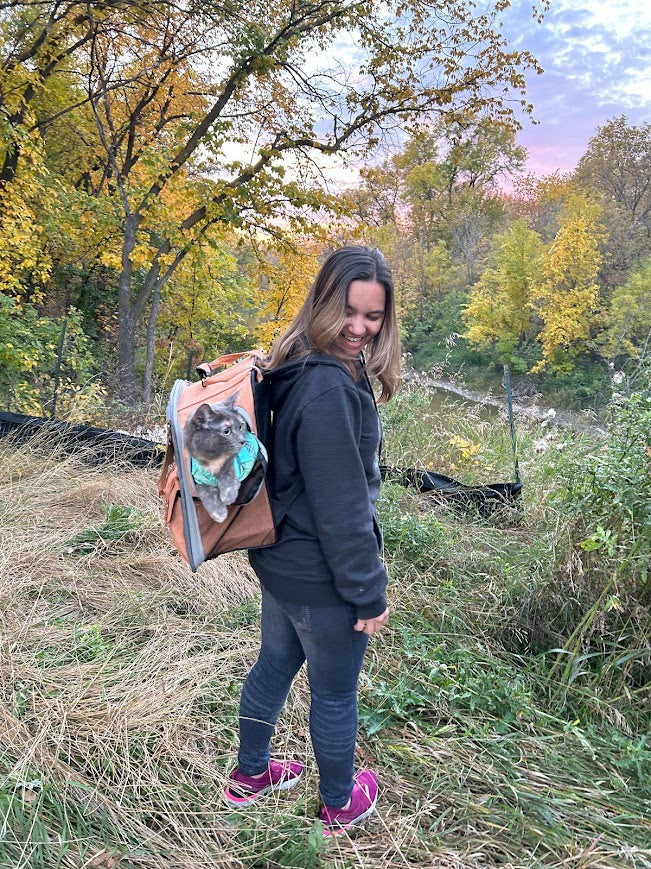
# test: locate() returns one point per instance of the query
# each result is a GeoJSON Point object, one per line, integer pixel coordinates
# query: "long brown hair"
{"type": "Point", "coordinates": [321, 318]}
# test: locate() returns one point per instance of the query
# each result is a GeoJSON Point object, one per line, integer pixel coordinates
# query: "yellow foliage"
{"type": "Point", "coordinates": [467, 449]}
{"type": "Point", "coordinates": [498, 311]}
{"type": "Point", "coordinates": [24, 259]}
{"type": "Point", "coordinates": [567, 298]}
{"type": "Point", "coordinates": [284, 276]}
{"type": "Point", "coordinates": [203, 304]}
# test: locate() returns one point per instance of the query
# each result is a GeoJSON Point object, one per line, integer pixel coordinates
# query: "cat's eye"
{"type": "Point", "coordinates": [227, 430]}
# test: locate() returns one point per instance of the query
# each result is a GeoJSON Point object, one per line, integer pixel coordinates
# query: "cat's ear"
{"type": "Point", "coordinates": [203, 414]}
{"type": "Point", "coordinates": [232, 399]}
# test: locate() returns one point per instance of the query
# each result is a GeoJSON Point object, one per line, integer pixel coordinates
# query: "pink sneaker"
{"type": "Point", "coordinates": [362, 803]}
{"type": "Point", "coordinates": [244, 789]}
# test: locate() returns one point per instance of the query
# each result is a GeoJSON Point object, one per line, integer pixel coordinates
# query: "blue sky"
{"type": "Point", "coordinates": [597, 60]}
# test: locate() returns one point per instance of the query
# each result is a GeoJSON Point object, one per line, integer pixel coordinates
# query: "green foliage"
{"type": "Point", "coordinates": [287, 843]}
{"type": "Point", "coordinates": [429, 428]}
{"type": "Point", "coordinates": [616, 167]}
{"type": "Point", "coordinates": [635, 757]}
{"type": "Point", "coordinates": [586, 385]}
{"type": "Point", "coordinates": [595, 621]}
{"type": "Point", "coordinates": [24, 810]}
{"type": "Point", "coordinates": [628, 319]}
{"type": "Point", "coordinates": [86, 644]}
{"type": "Point", "coordinates": [598, 604]}
{"type": "Point", "coordinates": [433, 337]}
{"type": "Point", "coordinates": [499, 314]}
{"type": "Point", "coordinates": [410, 538]}
{"type": "Point", "coordinates": [611, 487]}
{"type": "Point", "coordinates": [29, 344]}
{"type": "Point", "coordinates": [416, 539]}
{"type": "Point", "coordinates": [402, 421]}
{"type": "Point", "coordinates": [119, 522]}
{"type": "Point", "coordinates": [44, 824]}
{"type": "Point", "coordinates": [203, 311]}
{"type": "Point", "coordinates": [441, 681]}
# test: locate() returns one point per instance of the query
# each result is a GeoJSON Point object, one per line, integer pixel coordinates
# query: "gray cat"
{"type": "Point", "coordinates": [214, 434]}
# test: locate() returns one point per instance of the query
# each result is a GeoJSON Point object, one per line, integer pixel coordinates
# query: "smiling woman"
{"type": "Point", "coordinates": [351, 298]}
{"type": "Point", "coordinates": [323, 581]}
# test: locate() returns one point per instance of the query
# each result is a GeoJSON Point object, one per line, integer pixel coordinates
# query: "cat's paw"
{"type": "Point", "coordinates": [212, 501]}
{"type": "Point", "coordinates": [217, 514]}
{"type": "Point", "coordinates": [228, 493]}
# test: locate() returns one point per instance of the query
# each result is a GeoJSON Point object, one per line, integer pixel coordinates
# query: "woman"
{"type": "Point", "coordinates": [323, 582]}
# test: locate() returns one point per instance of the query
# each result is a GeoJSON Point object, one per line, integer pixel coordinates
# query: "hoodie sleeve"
{"type": "Point", "coordinates": [327, 446]}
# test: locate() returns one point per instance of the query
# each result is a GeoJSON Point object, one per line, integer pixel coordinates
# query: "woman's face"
{"type": "Point", "coordinates": [364, 316]}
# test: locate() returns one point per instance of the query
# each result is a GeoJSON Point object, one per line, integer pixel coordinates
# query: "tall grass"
{"type": "Point", "coordinates": [121, 673]}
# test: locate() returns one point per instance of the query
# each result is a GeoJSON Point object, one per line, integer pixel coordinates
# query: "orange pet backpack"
{"type": "Point", "coordinates": [250, 520]}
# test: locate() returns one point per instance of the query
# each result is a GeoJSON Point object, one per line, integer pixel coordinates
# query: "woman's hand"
{"type": "Point", "coordinates": [372, 626]}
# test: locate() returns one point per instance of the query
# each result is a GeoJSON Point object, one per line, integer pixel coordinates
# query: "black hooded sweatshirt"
{"type": "Point", "coordinates": [326, 434]}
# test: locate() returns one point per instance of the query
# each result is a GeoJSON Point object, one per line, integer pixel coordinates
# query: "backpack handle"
{"type": "Point", "coordinates": [207, 368]}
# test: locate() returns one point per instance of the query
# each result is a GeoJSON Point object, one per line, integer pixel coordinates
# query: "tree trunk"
{"type": "Point", "coordinates": [127, 318]}
{"type": "Point", "coordinates": [151, 331]}
{"type": "Point", "coordinates": [127, 386]}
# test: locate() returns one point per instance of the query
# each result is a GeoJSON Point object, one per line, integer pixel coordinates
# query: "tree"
{"type": "Point", "coordinates": [627, 336]}
{"type": "Point", "coordinates": [28, 356]}
{"type": "Point", "coordinates": [566, 298]}
{"type": "Point", "coordinates": [541, 201]}
{"type": "Point", "coordinates": [433, 205]}
{"type": "Point", "coordinates": [617, 165]}
{"type": "Point", "coordinates": [477, 151]}
{"type": "Point", "coordinates": [499, 312]}
{"type": "Point", "coordinates": [214, 116]}
{"type": "Point", "coordinates": [37, 42]}
{"type": "Point", "coordinates": [25, 262]}
{"type": "Point", "coordinates": [203, 309]}
{"type": "Point", "coordinates": [375, 201]}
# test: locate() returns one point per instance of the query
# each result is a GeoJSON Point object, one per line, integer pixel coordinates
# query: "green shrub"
{"type": "Point", "coordinates": [119, 522]}
{"type": "Point", "coordinates": [420, 540]}
{"type": "Point", "coordinates": [443, 681]}
{"type": "Point", "coordinates": [606, 496]}
{"type": "Point", "coordinates": [611, 489]}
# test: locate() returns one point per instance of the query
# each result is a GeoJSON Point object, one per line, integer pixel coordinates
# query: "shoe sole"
{"type": "Point", "coordinates": [242, 802]}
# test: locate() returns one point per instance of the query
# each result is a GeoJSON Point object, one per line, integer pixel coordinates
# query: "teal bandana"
{"type": "Point", "coordinates": [244, 461]}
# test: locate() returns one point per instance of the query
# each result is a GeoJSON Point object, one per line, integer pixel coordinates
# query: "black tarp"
{"type": "Point", "coordinates": [429, 482]}
{"type": "Point", "coordinates": [96, 445]}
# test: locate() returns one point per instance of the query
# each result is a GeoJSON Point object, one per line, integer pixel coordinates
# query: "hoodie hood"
{"type": "Point", "coordinates": [284, 378]}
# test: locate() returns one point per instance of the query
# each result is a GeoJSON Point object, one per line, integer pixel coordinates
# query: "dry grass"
{"type": "Point", "coordinates": [120, 673]}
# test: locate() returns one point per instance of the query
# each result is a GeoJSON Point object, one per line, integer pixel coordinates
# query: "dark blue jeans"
{"type": "Point", "coordinates": [324, 637]}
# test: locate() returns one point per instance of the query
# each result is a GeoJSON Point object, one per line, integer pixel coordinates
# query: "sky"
{"type": "Point", "coordinates": [596, 56]}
